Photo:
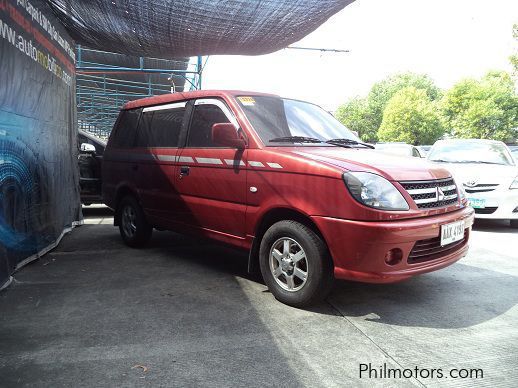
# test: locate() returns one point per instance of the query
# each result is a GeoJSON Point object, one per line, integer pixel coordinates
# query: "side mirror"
{"type": "Point", "coordinates": [225, 134]}
{"type": "Point", "coordinates": [87, 148]}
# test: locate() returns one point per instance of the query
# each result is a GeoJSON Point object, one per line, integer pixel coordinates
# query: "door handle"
{"type": "Point", "coordinates": [184, 170]}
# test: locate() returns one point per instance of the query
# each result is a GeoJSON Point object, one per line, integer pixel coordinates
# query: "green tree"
{"type": "Point", "coordinates": [514, 58]}
{"type": "Point", "coordinates": [355, 116]}
{"type": "Point", "coordinates": [411, 117]}
{"type": "Point", "coordinates": [482, 109]}
{"type": "Point", "coordinates": [383, 91]}
{"type": "Point", "coordinates": [366, 114]}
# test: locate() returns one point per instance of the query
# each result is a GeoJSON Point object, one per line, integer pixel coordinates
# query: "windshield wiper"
{"type": "Point", "coordinates": [465, 161]}
{"type": "Point", "coordinates": [485, 162]}
{"type": "Point", "coordinates": [295, 139]}
{"type": "Point", "coordinates": [348, 143]}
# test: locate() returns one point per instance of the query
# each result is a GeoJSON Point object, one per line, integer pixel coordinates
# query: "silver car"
{"type": "Point", "coordinates": [488, 174]}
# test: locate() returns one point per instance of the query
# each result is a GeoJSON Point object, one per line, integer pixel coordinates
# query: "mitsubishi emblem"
{"type": "Point", "coordinates": [440, 194]}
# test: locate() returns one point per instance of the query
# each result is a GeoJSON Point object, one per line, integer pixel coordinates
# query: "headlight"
{"type": "Point", "coordinates": [374, 191]}
{"type": "Point", "coordinates": [514, 185]}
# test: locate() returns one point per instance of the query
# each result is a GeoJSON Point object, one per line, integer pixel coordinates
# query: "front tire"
{"type": "Point", "coordinates": [133, 227]}
{"type": "Point", "coordinates": [514, 224]}
{"type": "Point", "coordinates": [295, 264]}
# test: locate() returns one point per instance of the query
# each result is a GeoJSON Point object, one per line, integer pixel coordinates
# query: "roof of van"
{"type": "Point", "coordinates": [180, 96]}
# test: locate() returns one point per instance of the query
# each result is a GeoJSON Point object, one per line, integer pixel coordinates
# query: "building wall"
{"type": "Point", "coordinates": [39, 195]}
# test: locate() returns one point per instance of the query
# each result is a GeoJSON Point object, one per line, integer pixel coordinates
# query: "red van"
{"type": "Point", "coordinates": [286, 181]}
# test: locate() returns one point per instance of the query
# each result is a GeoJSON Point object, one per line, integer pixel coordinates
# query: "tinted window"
{"type": "Point", "coordinates": [124, 135]}
{"type": "Point", "coordinates": [160, 128]}
{"type": "Point", "coordinates": [273, 117]}
{"type": "Point", "coordinates": [204, 117]}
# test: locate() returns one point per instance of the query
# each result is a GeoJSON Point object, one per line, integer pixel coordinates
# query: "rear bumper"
{"type": "Point", "coordinates": [358, 248]}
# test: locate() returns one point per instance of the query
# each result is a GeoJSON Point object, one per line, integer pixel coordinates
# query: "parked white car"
{"type": "Point", "coordinates": [487, 172]}
{"type": "Point", "coordinates": [399, 149]}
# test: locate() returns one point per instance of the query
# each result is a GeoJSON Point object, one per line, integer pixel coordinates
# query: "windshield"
{"type": "Point", "coordinates": [471, 152]}
{"type": "Point", "coordinates": [275, 119]}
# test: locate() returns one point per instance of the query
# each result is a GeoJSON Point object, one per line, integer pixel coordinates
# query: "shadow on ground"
{"type": "Point", "coordinates": [498, 226]}
{"type": "Point", "coordinates": [91, 311]}
{"type": "Point", "coordinates": [456, 297]}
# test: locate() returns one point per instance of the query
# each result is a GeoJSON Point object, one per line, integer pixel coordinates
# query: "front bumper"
{"type": "Point", "coordinates": [358, 248]}
{"type": "Point", "coordinates": [500, 204]}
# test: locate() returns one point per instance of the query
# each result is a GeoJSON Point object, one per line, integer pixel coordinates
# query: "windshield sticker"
{"type": "Point", "coordinates": [247, 101]}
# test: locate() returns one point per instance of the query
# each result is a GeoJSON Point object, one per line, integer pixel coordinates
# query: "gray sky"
{"type": "Point", "coordinates": [446, 39]}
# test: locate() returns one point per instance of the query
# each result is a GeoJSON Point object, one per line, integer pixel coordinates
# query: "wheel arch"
{"type": "Point", "coordinates": [122, 191]}
{"type": "Point", "coordinates": [269, 218]}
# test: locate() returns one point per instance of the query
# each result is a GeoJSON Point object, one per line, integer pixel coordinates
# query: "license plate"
{"type": "Point", "coordinates": [451, 233]}
{"type": "Point", "coordinates": [477, 203]}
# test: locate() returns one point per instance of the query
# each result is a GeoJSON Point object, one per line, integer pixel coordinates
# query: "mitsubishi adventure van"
{"type": "Point", "coordinates": [286, 181]}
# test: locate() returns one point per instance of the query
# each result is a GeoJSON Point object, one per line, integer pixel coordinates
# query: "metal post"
{"type": "Point", "coordinates": [199, 70]}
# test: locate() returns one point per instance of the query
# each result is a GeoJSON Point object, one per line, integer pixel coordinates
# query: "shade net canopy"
{"type": "Point", "coordinates": [178, 28]}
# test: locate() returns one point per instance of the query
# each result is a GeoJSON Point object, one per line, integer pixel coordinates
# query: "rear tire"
{"type": "Point", "coordinates": [514, 224]}
{"type": "Point", "coordinates": [134, 229]}
{"type": "Point", "coordinates": [295, 264]}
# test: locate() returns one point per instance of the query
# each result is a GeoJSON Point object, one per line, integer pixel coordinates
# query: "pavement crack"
{"type": "Point", "coordinates": [339, 313]}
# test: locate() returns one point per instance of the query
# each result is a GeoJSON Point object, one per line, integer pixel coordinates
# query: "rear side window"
{"type": "Point", "coordinates": [124, 135]}
{"type": "Point", "coordinates": [160, 128]}
{"type": "Point", "coordinates": [203, 118]}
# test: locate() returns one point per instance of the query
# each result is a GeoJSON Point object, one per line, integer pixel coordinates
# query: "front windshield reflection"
{"type": "Point", "coordinates": [471, 152]}
{"type": "Point", "coordinates": [274, 118]}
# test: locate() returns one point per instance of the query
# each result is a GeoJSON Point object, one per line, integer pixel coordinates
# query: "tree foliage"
{"type": "Point", "coordinates": [482, 109]}
{"type": "Point", "coordinates": [383, 91]}
{"type": "Point", "coordinates": [514, 58]}
{"type": "Point", "coordinates": [411, 116]}
{"type": "Point", "coordinates": [369, 110]}
{"type": "Point", "coordinates": [355, 116]}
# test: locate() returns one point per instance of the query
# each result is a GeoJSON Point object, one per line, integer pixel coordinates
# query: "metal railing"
{"type": "Point", "coordinates": [106, 81]}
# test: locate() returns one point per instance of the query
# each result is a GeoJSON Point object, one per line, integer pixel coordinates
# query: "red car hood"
{"type": "Point", "coordinates": [397, 168]}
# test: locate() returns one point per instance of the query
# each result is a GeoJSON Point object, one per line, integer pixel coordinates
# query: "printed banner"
{"type": "Point", "coordinates": [39, 196]}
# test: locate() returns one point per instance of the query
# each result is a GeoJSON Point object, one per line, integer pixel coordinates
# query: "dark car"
{"type": "Point", "coordinates": [91, 150]}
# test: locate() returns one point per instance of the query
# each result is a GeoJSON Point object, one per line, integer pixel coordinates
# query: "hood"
{"type": "Point", "coordinates": [472, 174]}
{"type": "Point", "coordinates": [396, 168]}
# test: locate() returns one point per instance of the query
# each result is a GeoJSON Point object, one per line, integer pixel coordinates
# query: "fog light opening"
{"type": "Point", "coordinates": [515, 209]}
{"type": "Point", "coordinates": [394, 256]}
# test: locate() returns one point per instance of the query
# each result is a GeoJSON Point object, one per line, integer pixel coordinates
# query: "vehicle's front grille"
{"type": "Point", "coordinates": [432, 194]}
{"type": "Point", "coordinates": [480, 188]}
{"type": "Point", "coordinates": [431, 249]}
{"type": "Point", "coordinates": [486, 210]}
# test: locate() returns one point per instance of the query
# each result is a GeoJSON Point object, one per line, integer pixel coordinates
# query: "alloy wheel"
{"type": "Point", "coordinates": [129, 221]}
{"type": "Point", "coordinates": [288, 264]}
